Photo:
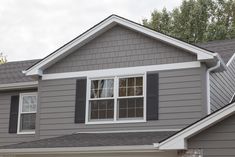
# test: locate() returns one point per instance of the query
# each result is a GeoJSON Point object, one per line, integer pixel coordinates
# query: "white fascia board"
{"type": "Point", "coordinates": [19, 85]}
{"type": "Point", "coordinates": [201, 53]}
{"type": "Point", "coordinates": [81, 150]}
{"type": "Point", "coordinates": [179, 140]}
{"type": "Point", "coordinates": [35, 69]}
{"type": "Point", "coordinates": [122, 71]}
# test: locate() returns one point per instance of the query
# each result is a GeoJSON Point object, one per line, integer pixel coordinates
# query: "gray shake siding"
{"type": "Point", "coordinates": [222, 87]}
{"type": "Point", "coordinates": [5, 137]}
{"type": "Point", "coordinates": [180, 104]}
{"type": "Point", "coordinates": [120, 47]}
{"type": "Point", "coordinates": [216, 141]}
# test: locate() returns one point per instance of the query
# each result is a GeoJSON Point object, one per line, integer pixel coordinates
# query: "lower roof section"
{"type": "Point", "coordinates": [178, 141]}
{"type": "Point", "coordinates": [95, 140]}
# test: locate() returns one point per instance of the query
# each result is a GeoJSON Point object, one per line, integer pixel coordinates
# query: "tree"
{"type": "Point", "coordinates": [2, 59]}
{"type": "Point", "coordinates": [196, 20]}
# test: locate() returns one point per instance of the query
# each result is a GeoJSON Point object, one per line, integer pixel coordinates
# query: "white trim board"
{"type": "Point", "coordinates": [19, 85]}
{"type": "Point", "coordinates": [122, 71]}
{"type": "Point", "coordinates": [129, 131]}
{"type": "Point", "coordinates": [179, 140]}
{"type": "Point", "coordinates": [81, 150]}
{"type": "Point", "coordinates": [109, 22]}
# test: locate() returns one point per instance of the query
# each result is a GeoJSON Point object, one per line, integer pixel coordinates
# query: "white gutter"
{"type": "Point", "coordinates": [81, 150]}
{"type": "Point", "coordinates": [208, 85]}
{"type": "Point", "coordinates": [19, 85]}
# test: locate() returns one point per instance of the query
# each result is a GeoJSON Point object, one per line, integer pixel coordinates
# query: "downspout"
{"type": "Point", "coordinates": [208, 85]}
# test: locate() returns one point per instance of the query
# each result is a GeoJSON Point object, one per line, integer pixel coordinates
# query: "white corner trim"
{"type": "Point", "coordinates": [81, 150]}
{"type": "Point", "coordinates": [122, 71]}
{"type": "Point", "coordinates": [179, 140]}
{"type": "Point", "coordinates": [19, 85]}
{"type": "Point", "coordinates": [202, 54]}
{"type": "Point", "coordinates": [230, 60]}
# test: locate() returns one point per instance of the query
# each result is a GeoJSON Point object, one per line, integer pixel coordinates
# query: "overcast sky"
{"type": "Point", "coordinates": [32, 29]}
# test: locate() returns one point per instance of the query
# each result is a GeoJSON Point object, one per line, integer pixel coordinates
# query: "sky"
{"type": "Point", "coordinates": [32, 29]}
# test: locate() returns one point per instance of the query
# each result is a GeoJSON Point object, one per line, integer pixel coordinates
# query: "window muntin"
{"type": "Point", "coordinates": [130, 98]}
{"type": "Point", "coordinates": [102, 109]}
{"type": "Point", "coordinates": [117, 99]}
{"type": "Point", "coordinates": [27, 113]}
{"type": "Point", "coordinates": [132, 86]}
{"type": "Point", "coordinates": [101, 103]}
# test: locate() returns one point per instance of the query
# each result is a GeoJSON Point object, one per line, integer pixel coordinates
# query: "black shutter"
{"type": "Point", "coordinates": [80, 106]}
{"type": "Point", "coordinates": [14, 114]}
{"type": "Point", "coordinates": [152, 95]}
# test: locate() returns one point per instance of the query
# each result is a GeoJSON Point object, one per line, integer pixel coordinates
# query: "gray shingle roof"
{"type": "Point", "coordinates": [11, 72]}
{"type": "Point", "coordinates": [226, 48]}
{"type": "Point", "coordinates": [95, 139]}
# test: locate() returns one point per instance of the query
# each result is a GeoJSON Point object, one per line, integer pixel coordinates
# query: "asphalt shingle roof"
{"type": "Point", "coordinates": [95, 139]}
{"type": "Point", "coordinates": [226, 48]}
{"type": "Point", "coordinates": [11, 72]}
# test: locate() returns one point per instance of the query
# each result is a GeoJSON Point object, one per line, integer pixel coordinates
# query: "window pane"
{"type": "Point", "coordinates": [130, 107]}
{"type": "Point", "coordinates": [101, 109]}
{"type": "Point", "coordinates": [94, 84]}
{"type": "Point", "coordinates": [130, 91]}
{"type": "Point", "coordinates": [28, 122]}
{"type": "Point", "coordinates": [139, 91]}
{"type": "Point", "coordinates": [139, 81]}
{"type": "Point", "coordinates": [122, 82]}
{"type": "Point", "coordinates": [109, 93]}
{"type": "Point", "coordinates": [122, 91]}
{"type": "Point", "coordinates": [131, 86]}
{"type": "Point", "coordinates": [29, 104]}
{"type": "Point", "coordinates": [102, 88]}
{"type": "Point", "coordinates": [131, 82]}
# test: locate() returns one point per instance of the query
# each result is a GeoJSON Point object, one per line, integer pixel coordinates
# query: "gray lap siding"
{"type": "Point", "coordinates": [180, 103]}
{"type": "Point", "coordinates": [222, 87]}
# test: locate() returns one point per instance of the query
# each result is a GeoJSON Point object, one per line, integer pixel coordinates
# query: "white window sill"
{"type": "Point", "coordinates": [26, 133]}
{"type": "Point", "coordinates": [116, 122]}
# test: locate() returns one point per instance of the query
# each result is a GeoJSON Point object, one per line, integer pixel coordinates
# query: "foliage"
{"type": "Point", "coordinates": [2, 59]}
{"type": "Point", "coordinates": [196, 20]}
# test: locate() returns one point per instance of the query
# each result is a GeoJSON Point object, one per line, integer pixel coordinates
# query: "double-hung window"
{"type": "Point", "coordinates": [116, 99]}
{"type": "Point", "coordinates": [27, 113]}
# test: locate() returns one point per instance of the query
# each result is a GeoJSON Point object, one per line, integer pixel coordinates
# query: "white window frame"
{"type": "Point", "coordinates": [20, 112]}
{"type": "Point", "coordinates": [115, 97]}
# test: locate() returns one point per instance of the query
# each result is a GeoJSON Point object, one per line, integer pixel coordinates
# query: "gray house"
{"type": "Point", "coordinates": [121, 89]}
